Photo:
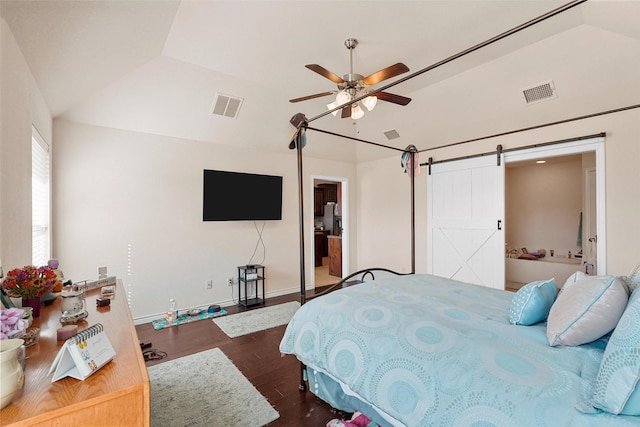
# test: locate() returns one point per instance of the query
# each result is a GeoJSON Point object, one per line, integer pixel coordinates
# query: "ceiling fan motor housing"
{"type": "Point", "coordinates": [350, 80]}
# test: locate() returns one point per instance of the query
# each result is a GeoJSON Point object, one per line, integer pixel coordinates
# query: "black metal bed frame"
{"type": "Point", "coordinates": [301, 124]}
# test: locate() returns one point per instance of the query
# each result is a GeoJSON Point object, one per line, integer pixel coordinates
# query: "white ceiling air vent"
{"type": "Point", "coordinates": [392, 134]}
{"type": "Point", "coordinates": [539, 92]}
{"type": "Point", "coordinates": [226, 105]}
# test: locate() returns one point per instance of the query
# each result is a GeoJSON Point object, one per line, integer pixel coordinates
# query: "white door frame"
{"type": "Point", "coordinates": [344, 200]}
{"type": "Point", "coordinates": [596, 145]}
{"type": "Point", "coordinates": [589, 223]}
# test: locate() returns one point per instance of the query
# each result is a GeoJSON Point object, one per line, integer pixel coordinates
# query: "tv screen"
{"type": "Point", "coordinates": [235, 196]}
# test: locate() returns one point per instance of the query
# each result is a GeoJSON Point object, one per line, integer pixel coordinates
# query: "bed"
{"type": "Point", "coordinates": [420, 350]}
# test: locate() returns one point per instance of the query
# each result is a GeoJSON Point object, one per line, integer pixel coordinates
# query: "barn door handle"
{"type": "Point", "coordinates": [499, 224]}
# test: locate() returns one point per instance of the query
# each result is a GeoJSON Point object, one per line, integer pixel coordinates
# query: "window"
{"type": "Point", "coordinates": [40, 196]}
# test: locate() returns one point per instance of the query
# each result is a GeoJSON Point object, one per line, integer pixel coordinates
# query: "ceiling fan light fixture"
{"type": "Point", "coordinates": [331, 106]}
{"type": "Point", "coordinates": [341, 98]}
{"type": "Point", "coordinates": [370, 102]}
{"type": "Point", "coordinates": [356, 111]}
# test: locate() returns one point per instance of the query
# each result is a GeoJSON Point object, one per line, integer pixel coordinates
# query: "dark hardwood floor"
{"type": "Point", "coordinates": [257, 356]}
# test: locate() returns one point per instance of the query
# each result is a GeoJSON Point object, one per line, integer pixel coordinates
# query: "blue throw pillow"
{"type": "Point", "coordinates": [615, 389]}
{"type": "Point", "coordinates": [531, 304]}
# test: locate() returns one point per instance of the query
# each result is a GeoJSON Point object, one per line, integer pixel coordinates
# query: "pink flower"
{"type": "Point", "coordinates": [12, 322]}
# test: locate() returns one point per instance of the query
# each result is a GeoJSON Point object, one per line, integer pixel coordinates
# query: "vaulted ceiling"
{"type": "Point", "coordinates": [156, 66]}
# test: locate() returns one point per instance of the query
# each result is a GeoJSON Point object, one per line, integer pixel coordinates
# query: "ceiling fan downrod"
{"type": "Point", "coordinates": [351, 78]}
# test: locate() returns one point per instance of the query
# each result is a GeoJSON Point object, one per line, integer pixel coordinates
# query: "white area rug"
{"type": "Point", "coordinates": [259, 319]}
{"type": "Point", "coordinates": [205, 389]}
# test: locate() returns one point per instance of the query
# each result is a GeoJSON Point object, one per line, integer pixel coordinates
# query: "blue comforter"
{"type": "Point", "coordinates": [426, 351]}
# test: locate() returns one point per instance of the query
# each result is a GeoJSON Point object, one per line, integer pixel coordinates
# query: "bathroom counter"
{"type": "Point", "coordinates": [562, 260]}
{"type": "Point", "coordinates": [525, 271]}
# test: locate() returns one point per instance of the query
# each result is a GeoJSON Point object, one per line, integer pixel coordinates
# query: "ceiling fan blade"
{"type": "Point", "coordinates": [325, 73]}
{"type": "Point", "coordinates": [385, 73]}
{"type": "Point", "coordinates": [317, 95]}
{"type": "Point", "coordinates": [390, 97]}
{"type": "Point", "coordinates": [346, 112]}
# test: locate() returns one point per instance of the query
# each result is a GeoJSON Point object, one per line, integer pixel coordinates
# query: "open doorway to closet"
{"type": "Point", "coordinates": [550, 216]}
{"type": "Point", "coordinates": [329, 240]}
{"type": "Point", "coordinates": [563, 211]}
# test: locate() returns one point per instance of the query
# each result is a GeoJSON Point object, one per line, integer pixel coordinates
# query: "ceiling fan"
{"type": "Point", "coordinates": [354, 85]}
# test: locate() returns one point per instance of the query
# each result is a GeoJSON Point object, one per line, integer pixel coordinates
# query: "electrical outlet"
{"type": "Point", "coordinates": [209, 284]}
{"type": "Point", "coordinates": [230, 281]}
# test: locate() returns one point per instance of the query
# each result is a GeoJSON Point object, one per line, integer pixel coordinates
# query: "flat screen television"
{"type": "Point", "coordinates": [236, 196]}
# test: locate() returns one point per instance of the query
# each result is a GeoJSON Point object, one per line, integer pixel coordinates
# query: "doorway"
{"type": "Point", "coordinates": [586, 224]}
{"type": "Point", "coordinates": [330, 225]}
{"type": "Point", "coordinates": [546, 211]}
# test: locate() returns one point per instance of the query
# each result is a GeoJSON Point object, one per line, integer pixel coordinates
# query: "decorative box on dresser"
{"type": "Point", "coordinates": [116, 394]}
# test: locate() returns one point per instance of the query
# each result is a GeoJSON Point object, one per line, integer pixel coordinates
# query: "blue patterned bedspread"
{"type": "Point", "coordinates": [426, 351]}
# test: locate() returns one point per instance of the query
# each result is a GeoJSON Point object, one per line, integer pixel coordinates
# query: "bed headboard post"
{"type": "Point", "coordinates": [413, 212]}
{"type": "Point", "coordinates": [303, 286]}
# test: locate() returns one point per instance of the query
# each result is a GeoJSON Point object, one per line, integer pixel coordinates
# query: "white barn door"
{"type": "Point", "coordinates": [465, 221]}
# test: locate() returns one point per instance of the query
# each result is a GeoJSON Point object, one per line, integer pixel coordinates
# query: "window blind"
{"type": "Point", "coordinates": [40, 196]}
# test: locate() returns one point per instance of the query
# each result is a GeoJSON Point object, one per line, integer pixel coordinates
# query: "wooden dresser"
{"type": "Point", "coordinates": [117, 394]}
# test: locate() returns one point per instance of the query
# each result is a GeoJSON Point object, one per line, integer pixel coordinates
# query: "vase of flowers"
{"type": "Point", "coordinates": [30, 283]}
{"type": "Point", "coordinates": [35, 303]}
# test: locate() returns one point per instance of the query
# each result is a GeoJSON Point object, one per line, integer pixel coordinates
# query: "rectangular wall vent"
{"type": "Point", "coordinates": [226, 106]}
{"type": "Point", "coordinates": [392, 134]}
{"type": "Point", "coordinates": [539, 92]}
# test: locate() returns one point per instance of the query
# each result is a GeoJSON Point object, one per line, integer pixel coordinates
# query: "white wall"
{"type": "Point", "coordinates": [133, 202]}
{"type": "Point", "coordinates": [622, 176]}
{"type": "Point", "coordinates": [384, 221]}
{"type": "Point", "coordinates": [21, 105]}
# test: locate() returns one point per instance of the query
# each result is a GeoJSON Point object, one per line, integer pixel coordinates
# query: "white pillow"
{"type": "Point", "coordinates": [633, 279]}
{"type": "Point", "coordinates": [575, 277]}
{"type": "Point", "coordinates": [586, 310]}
